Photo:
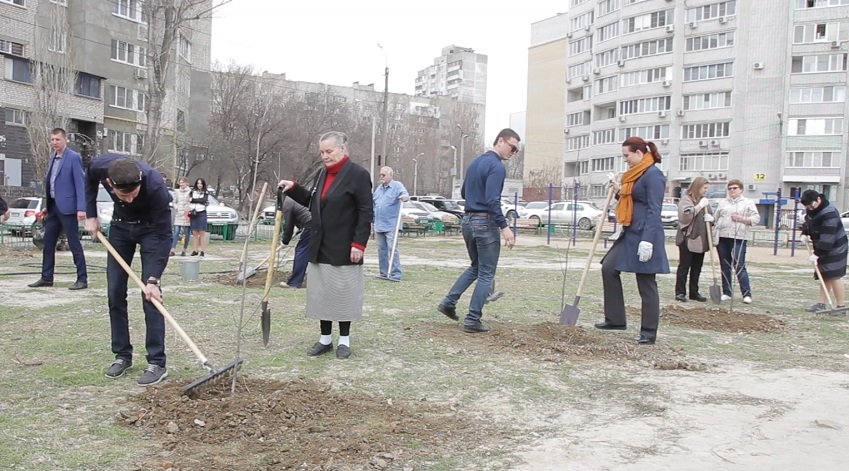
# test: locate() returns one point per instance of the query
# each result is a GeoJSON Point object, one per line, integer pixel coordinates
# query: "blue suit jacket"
{"type": "Point", "coordinates": [69, 185]}
{"type": "Point", "coordinates": [646, 225]}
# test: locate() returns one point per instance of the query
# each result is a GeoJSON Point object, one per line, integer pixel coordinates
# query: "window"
{"type": "Point", "coordinates": [579, 70]}
{"type": "Point", "coordinates": [607, 84]}
{"type": "Point", "coordinates": [706, 130]}
{"type": "Point", "coordinates": [707, 72]}
{"type": "Point", "coordinates": [816, 126]}
{"type": "Point", "coordinates": [126, 98]}
{"type": "Point", "coordinates": [645, 105]}
{"type": "Point", "coordinates": [608, 32]}
{"type": "Point", "coordinates": [14, 116]}
{"type": "Point", "coordinates": [707, 101]}
{"type": "Point", "coordinates": [578, 142]}
{"type": "Point", "coordinates": [18, 70]}
{"type": "Point", "coordinates": [125, 142]}
{"type": "Point", "coordinates": [184, 85]}
{"type": "Point", "coordinates": [129, 53]}
{"type": "Point", "coordinates": [814, 159]}
{"type": "Point", "coordinates": [181, 120]}
{"type": "Point", "coordinates": [647, 48]}
{"type": "Point", "coordinates": [15, 2]}
{"type": "Point", "coordinates": [576, 2]}
{"type": "Point", "coordinates": [657, 131]}
{"type": "Point", "coordinates": [714, 10]}
{"type": "Point", "coordinates": [645, 76]}
{"type": "Point", "coordinates": [712, 41]}
{"type": "Point", "coordinates": [606, 136]}
{"type": "Point", "coordinates": [607, 6]}
{"type": "Point", "coordinates": [608, 57]}
{"type": "Point", "coordinates": [185, 49]}
{"type": "Point", "coordinates": [64, 3]}
{"type": "Point", "coordinates": [631, 2]}
{"type": "Point", "coordinates": [576, 119]}
{"type": "Point", "coordinates": [830, 94]}
{"type": "Point", "coordinates": [58, 41]}
{"type": "Point", "coordinates": [819, 3]}
{"type": "Point", "coordinates": [88, 85]}
{"type": "Point", "coordinates": [10, 47]}
{"type": "Point", "coordinates": [648, 21]}
{"type": "Point", "coordinates": [818, 63]}
{"type": "Point", "coordinates": [581, 45]}
{"type": "Point", "coordinates": [129, 9]}
{"type": "Point", "coordinates": [582, 21]}
{"type": "Point", "coordinates": [820, 32]}
{"type": "Point", "coordinates": [703, 161]}
{"type": "Point", "coordinates": [604, 164]}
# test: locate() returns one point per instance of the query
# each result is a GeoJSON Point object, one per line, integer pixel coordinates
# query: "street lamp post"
{"type": "Point", "coordinates": [453, 171]}
{"type": "Point", "coordinates": [385, 106]}
{"type": "Point", "coordinates": [463, 137]}
{"type": "Point", "coordinates": [416, 174]}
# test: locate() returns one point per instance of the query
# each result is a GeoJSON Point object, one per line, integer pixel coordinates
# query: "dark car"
{"type": "Point", "coordinates": [449, 206]}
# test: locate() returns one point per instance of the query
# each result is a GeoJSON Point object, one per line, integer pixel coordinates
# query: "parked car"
{"type": "Point", "coordinates": [433, 212]}
{"type": "Point", "coordinates": [512, 210]}
{"type": "Point", "coordinates": [22, 213]}
{"type": "Point", "coordinates": [408, 210]}
{"type": "Point", "coordinates": [584, 213]}
{"type": "Point", "coordinates": [669, 215]}
{"type": "Point", "coordinates": [844, 218]}
{"type": "Point", "coordinates": [536, 205]}
{"type": "Point", "coordinates": [221, 219]}
{"type": "Point", "coordinates": [448, 206]}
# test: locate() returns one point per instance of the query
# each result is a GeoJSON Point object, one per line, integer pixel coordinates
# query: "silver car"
{"type": "Point", "coordinates": [221, 219]}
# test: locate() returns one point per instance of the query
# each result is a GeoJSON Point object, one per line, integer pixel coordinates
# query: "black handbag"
{"type": "Point", "coordinates": [193, 213]}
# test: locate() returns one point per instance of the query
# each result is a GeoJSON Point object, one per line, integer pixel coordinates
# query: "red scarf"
{"type": "Point", "coordinates": [332, 170]}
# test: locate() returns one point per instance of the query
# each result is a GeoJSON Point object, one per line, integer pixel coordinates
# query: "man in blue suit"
{"type": "Point", "coordinates": [65, 195]}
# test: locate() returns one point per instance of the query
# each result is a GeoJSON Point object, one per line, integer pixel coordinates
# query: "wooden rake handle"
{"type": "Point", "coordinates": [155, 302]}
{"type": "Point", "coordinates": [819, 274]}
{"type": "Point", "coordinates": [596, 238]}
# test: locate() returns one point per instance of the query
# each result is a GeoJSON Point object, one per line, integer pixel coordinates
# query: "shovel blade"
{"type": "Point", "coordinates": [569, 315]}
{"type": "Point", "coordinates": [715, 293]}
{"type": "Point", "coordinates": [265, 323]}
{"type": "Point", "coordinates": [245, 274]}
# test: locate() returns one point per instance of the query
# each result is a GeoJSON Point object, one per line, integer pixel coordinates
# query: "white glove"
{"type": "Point", "coordinates": [803, 239]}
{"type": "Point", "coordinates": [613, 181]}
{"type": "Point", "coordinates": [703, 203]}
{"type": "Point", "coordinates": [616, 234]}
{"type": "Point", "coordinates": [708, 218]}
{"type": "Point", "coordinates": [644, 251]}
{"type": "Point", "coordinates": [813, 259]}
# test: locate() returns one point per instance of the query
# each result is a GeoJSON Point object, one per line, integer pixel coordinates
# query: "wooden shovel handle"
{"type": "Point", "coordinates": [596, 238]}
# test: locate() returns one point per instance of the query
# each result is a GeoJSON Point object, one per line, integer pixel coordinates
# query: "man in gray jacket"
{"type": "Point", "coordinates": [296, 215]}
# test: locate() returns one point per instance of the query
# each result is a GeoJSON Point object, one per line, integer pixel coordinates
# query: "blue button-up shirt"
{"type": "Point", "coordinates": [387, 205]}
{"type": "Point", "coordinates": [483, 184]}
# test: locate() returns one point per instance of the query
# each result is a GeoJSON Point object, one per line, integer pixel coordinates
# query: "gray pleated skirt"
{"type": "Point", "coordinates": [335, 293]}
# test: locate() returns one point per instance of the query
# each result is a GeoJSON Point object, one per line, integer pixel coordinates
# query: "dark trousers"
{"type": "Point", "coordinates": [732, 253]}
{"type": "Point", "coordinates": [302, 258]}
{"type": "Point", "coordinates": [688, 262]}
{"type": "Point", "coordinates": [124, 238]}
{"type": "Point", "coordinates": [53, 226]}
{"type": "Point", "coordinates": [614, 299]}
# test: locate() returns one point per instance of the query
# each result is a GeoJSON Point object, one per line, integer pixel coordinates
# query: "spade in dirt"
{"type": "Point", "coordinates": [265, 318]}
{"type": "Point", "coordinates": [714, 290]}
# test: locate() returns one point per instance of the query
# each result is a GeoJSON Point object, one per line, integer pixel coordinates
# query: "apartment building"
{"type": "Point", "coordinates": [105, 46]}
{"type": "Point", "coordinates": [459, 72]}
{"type": "Point", "coordinates": [754, 90]}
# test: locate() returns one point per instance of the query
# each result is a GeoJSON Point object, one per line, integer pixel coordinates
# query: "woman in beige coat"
{"type": "Point", "coordinates": [691, 239]}
{"type": "Point", "coordinates": [182, 197]}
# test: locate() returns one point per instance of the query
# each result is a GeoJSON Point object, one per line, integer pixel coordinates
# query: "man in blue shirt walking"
{"type": "Point", "coordinates": [481, 226]}
{"type": "Point", "coordinates": [388, 198]}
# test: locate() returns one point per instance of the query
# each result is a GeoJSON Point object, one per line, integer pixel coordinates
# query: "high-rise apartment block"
{"type": "Point", "coordinates": [753, 90]}
{"type": "Point", "coordinates": [459, 73]}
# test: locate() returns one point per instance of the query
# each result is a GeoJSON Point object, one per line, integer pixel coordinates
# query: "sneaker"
{"type": "Point", "coordinates": [725, 297]}
{"type": "Point", "coordinates": [449, 311]}
{"type": "Point", "coordinates": [201, 254]}
{"type": "Point", "coordinates": [118, 368]}
{"type": "Point", "coordinates": [747, 299]}
{"type": "Point", "coordinates": [153, 374]}
{"type": "Point", "coordinates": [475, 328]}
{"type": "Point", "coordinates": [816, 308]}
{"type": "Point", "coordinates": [195, 253]}
{"type": "Point", "coordinates": [183, 253]}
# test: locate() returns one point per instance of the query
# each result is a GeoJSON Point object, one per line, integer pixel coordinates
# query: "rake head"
{"type": "Point", "coordinates": [224, 374]}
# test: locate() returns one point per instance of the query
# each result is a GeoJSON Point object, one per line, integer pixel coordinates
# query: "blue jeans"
{"type": "Point", "coordinates": [384, 242]}
{"type": "Point", "coordinates": [302, 258]}
{"type": "Point", "coordinates": [732, 252]}
{"type": "Point", "coordinates": [53, 226]}
{"type": "Point", "coordinates": [483, 243]}
{"type": "Point", "coordinates": [184, 230]}
{"type": "Point", "coordinates": [124, 238]}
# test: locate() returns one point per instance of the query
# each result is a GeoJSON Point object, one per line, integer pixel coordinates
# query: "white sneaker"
{"type": "Point", "coordinates": [747, 299]}
{"type": "Point", "coordinates": [725, 297]}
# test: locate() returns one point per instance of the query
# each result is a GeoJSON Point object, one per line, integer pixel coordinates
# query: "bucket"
{"type": "Point", "coordinates": [190, 270]}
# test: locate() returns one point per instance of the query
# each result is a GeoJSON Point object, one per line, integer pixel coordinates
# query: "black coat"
{"type": "Point", "coordinates": [342, 217]}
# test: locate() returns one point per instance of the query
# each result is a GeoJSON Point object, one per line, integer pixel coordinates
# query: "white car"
{"type": "Point", "coordinates": [22, 213]}
{"type": "Point", "coordinates": [432, 211]}
{"type": "Point", "coordinates": [584, 213]}
{"type": "Point", "coordinates": [512, 210]}
{"type": "Point", "coordinates": [669, 215]}
{"type": "Point", "coordinates": [409, 210]}
{"type": "Point", "coordinates": [844, 218]}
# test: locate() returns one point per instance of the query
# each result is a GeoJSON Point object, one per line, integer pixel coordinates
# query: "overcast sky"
{"type": "Point", "coordinates": [335, 42]}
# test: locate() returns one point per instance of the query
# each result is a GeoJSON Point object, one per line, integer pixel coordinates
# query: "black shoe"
{"type": "Point", "coordinates": [608, 326]}
{"type": "Point", "coordinates": [201, 254]}
{"type": "Point", "coordinates": [475, 328]}
{"type": "Point", "coordinates": [343, 352]}
{"type": "Point", "coordinates": [118, 368]}
{"type": "Point", "coordinates": [698, 297]}
{"type": "Point", "coordinates": [681, 297]}
{"type": "Point", "coordinates": [816, 308]}
{"type": "Point", "coordinates": [183, 253]}
{"type": "Point", "coordinates": [78, 285]}
{"type": "Point", "coordinates": [449, 311]}
{"type": "Point", "coordinates": [643, 340]}
{"type": "Point", "coordinates": [171, 254]}
{"type": "Point", "coordinates": [40, 283]}
{"type": "Point", "coordinates": [319, 349]}
{"type": "Point", "coordinates": [153, 374]}
{"type": "Point", "coordinates": [195, 253]}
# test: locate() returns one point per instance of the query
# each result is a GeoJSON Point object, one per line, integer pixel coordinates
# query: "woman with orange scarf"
{"type": "Point", "coordinates": [640, 248]}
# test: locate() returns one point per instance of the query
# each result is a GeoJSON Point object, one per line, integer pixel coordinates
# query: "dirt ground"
{"type": "Point", "coordinates": [255, 281]}
{"type": "Point", "coordinates": [716, 319]}
{"type": "Point", "coordinates": [301, 424]}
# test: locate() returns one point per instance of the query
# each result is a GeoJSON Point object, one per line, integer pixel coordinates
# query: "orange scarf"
{"type": "Point", "coordinates": [625, 208]}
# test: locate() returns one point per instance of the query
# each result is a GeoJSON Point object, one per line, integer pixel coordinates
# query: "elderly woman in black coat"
{"type": "Point", "coordinates": [826, 232]}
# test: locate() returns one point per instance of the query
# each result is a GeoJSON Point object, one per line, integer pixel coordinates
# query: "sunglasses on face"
{"type": "Point", "coordinates": [733, 188]}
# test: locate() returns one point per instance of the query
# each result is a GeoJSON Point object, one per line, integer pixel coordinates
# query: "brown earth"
{"type": "Point", "coordinates": [551, 341]}
{"type": "Point", "coordinates": [255, 281]}
{"type": "Point", "coordinates": [716, 319]}
{"type": "Point", "coordinates": [300, 424]}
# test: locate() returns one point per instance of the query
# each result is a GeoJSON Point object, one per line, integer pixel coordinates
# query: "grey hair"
{"type": "Point", "coordinates": [388, 170]}
{"type": "Point", "coordinates": [340, 138]}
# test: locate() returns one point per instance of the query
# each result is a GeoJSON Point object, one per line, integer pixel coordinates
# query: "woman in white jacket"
{"type": "Point", "coordinates": [182, 205]}
{"type": "Point", "coordinates": [734, 215]}
{"type": "Point", "coordinates": [197, 215]}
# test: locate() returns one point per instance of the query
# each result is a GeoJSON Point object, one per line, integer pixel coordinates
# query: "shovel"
{"type": "Point", "coordinates": [571, 312]}
{"type": "Point", "coordinates": [265, 318]}
{"type": "Point", "coordinates": [714, 290]}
